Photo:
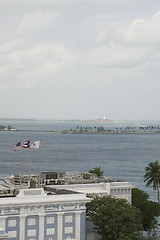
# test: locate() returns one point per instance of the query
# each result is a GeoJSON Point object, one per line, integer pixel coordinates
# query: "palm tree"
{"type": "Point", "coordinates": [152, 176]}
{"type": "Point", "coordinates": [97, 170]}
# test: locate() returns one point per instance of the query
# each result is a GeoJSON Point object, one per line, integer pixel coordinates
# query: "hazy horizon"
{"type": "Point", "coordinates": [81, 119]}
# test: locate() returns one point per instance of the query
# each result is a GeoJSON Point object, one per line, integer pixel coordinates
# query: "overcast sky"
{"type": "Point", "coordinates": [80, 59]}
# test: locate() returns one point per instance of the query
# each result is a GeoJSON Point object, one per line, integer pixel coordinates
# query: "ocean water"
{"type": "Point", "coordinates": [121, 156]}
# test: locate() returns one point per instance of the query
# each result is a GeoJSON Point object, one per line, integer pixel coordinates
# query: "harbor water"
{"type": "Point", "coordinates": [121, 156]}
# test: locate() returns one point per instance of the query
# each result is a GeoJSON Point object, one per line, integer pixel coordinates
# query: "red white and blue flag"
{"type": "Point", "coordinates": [17, 146]}
{"type": "Point", "coordinates": [26, 144]}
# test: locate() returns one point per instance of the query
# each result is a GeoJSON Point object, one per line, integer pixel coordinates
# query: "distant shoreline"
{"type": "Point", "coordinates": [105, 132]}
{"type": "Point", "coordinates": [81, 132]}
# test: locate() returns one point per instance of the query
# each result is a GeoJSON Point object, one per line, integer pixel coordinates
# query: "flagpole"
{"type": "Point", "coordinates": [29, 165]}
{"type": "Point", "coordinates": [21, 165]}
{"type": "Point", "coordinates": [39, 184]}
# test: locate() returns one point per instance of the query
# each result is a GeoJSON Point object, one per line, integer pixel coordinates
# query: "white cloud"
{"type": "Point", "coordinates": [115, 56]}
{"type": "Point", "coordinates": [38, 21]}
{"type": "Point", "coordinates": [13, 44]}
{"type": "Point", "coordinates": [143, 31]}
{"type": "Point", "coordinates": [39, 3]}
{"type": "Point", "coordinates": [36, 65]}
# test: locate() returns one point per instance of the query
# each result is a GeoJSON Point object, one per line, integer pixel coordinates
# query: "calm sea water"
{"type": "Point", "coordinates": [121, 156]}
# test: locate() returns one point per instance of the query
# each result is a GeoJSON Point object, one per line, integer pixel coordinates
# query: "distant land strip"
{"type": "Point", "coordinates": [79, 132]}
{"type": "Point", "coordinates": [105, 132]}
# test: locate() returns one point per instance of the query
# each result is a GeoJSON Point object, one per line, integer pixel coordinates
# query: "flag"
{"type": "Point", "coordinates": [26, 144]}
{"type": "Point", "coordinates": [17, 146]}
{"type": "Point", "coordinates": [36, 144]}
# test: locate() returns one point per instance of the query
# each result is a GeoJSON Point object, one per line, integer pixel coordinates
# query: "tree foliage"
{"type": "Point", "coordinates": [149, 209]}
{"type": "Point", "coordinates": [2, 127]}
{"type": "Point", "coordinates": [97, 171]}
{"type": "Point", "coordinates": [152, 176]}
{"type": "Point", "coordinates": [114, 219]}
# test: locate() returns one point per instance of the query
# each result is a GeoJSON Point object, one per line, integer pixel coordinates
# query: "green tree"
{"type": "Point", "coordinates": [149, 209]}
{"type": "Point", "coordinates": [2, 127]}
{"type": "Point", "coordinates": [97, 171]}
{"type": "Point", "coordinates": [114, 219]}
{"type": "Point", "coordinates": [152, 176]}
{"type": "Point", "coordinates": [9, 127]}
{"type": "Point", "coordinates": [100, 129]}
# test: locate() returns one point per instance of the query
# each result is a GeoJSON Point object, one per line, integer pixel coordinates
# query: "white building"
{"type": "Point", "coordinates": [115, 189]}
{"type": "Point", "coordinates": [34, 215]}
{"type": "Point", "coordinates": [59, 215]}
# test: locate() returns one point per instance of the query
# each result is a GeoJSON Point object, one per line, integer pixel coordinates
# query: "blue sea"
{"type": "Point", "coordinates": [121, 156]}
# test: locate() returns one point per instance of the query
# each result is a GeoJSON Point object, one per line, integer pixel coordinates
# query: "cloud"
{"type": "Point", "coordinates": [104, 50]}
{"type": "Point", "coordinates": [14, 44]}
{"type": "Point", "coordinates": [115, 56]}
{"type": "Point", "coordinates": [35, 66]}
{"type": "Point", "coordinates": [38, 21]}
{"type": "Point", "coordinates": [38, 2]}
{"type": "Point", "coordinates": [143, 31]}
{"type": "Point", "coordinates": [115, 46]}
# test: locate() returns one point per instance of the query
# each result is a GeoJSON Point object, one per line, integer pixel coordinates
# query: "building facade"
{"type": "Point", "coordinates": [34, 215]}
{"type": "Point", "coordinates": [59, 211]}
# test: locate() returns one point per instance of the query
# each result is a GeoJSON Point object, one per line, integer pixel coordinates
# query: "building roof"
{"type": "Point", "coordinates": [38, 196]}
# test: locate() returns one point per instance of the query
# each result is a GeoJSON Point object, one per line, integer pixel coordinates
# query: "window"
{"type": "Point", "coordinates": [50, 231]}
{"type": "Point", "coordinates": [12, 223]}
{"type": "Point", "coordinates": [68, 219]}
{"type": "Point", "coordinates": [31, 221]}
{"type": "Point", "coordinates": [31, 233]}
{"type": "Point", "coordinates": [68, 230]}
{"type": "Point", "coordinates": [12, 234]}
{"type": "Point", "coordinates": [50, 220]}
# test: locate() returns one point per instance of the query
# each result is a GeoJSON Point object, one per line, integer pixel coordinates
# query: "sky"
{"type": "Point", "coordinates": [80, 59]}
